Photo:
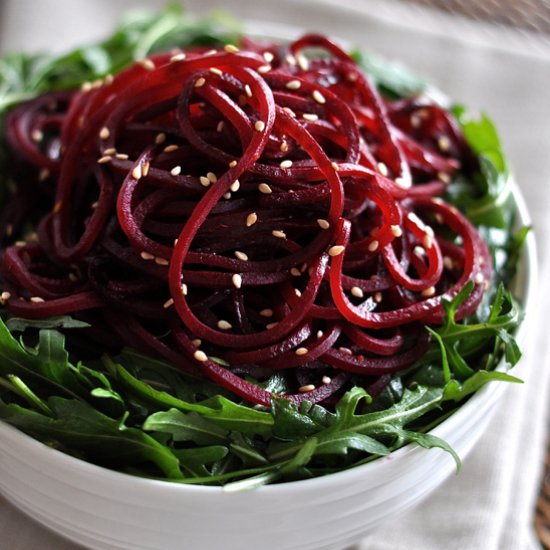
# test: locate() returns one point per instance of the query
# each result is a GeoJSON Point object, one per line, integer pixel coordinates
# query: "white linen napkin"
{"type": "Point", "coordinates": [490, 504]}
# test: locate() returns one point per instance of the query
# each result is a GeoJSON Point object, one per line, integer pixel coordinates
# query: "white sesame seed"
{"type": "Point", "coordinates": [377, 297]}
{"type": "Point", "coordinates": [284, 146]}
{"type": "Point", "coordinates": [301, 351]}
{"type": "Point", "coordinates": [336, 250]}
{"type": "Point", "coordinates": [237, 280]}
{"type": "Point", "coordinates": [104, 133]}
{"type": "Point", "coordinates": [269, 326]}
{"type": "Point", "coordinates": [295, 272]}
{"type": "Point", "coordinates": [444, 143]}
{"type": "Point", "coordinates": [37, 135]}
{"type": "Point", "coordinates": [323, 224]}
{"type": "Point", "coordinates": [235, 186]}
{"type": "Point", "coordinates": [448, 262]}
{"type": "Point", "coordinates": [215, 70]}
{"type": "Point", "coordinates": [212, 177]}
{"type": "Point", "coordinates": [427, 241]}
{"type": "Point", "coordinates": [110, 151]}
{"type": "Point", "coordinates": [241, 255]}
{"type": "Point", "coordinates": [416, 220]}
{"type": "Point", "coordinates": [184, 289]}
{"type": "Point", "coordinates": [211, 52]}
{"type": "Point", "coordinates": [444, 177]}
{"type": "Point", "coordinates": [247, 90]}
{"type": "Point", "coordinates": [136, 172]}
{"type": "Point", "coordinates": [4, 297]}
{"type": "Point", "coordinates": [86, 87]}
{"type": "Point", "coordinates": [227, 195]}
{"type": "Point", "coordinates": [147, 256]}
{"type": "Point", "coordinates": [205, 182]}
{"type": "Point", "coordinates": [357, 292]}
{"type": "Point", "coordinates": [320, 334]}
{"type": "Point", "coordinates": [37, 300]}
{"type": "Point", "coordinates": [416, 120]}
{"type": "Point", "coordinates": [220, 125]}
{"type": "Point", "coordinates": [326, 380]}
{"type": "Point", "coordinates": [176, 171]}
{"type": "Point", "coordinates": [396, 231]}
{"type": "Point", "coordinates": [479, 278]}
{"type": "Point", "coordinates": [161, 261]}
{"type": "Point", "coordinates": [122, 156]}
{"type": "Point", "coordinates": [310, 117]}
{"type": "Point", "coordinates": [286, 163]}
{"type": "Point", "coordinates": [93, 206]}
{"type": "Point", "coordinates": [147, 64]}
{"type": "Point", "coordinates": [293, 84]}
{"type": "Point", "coordinates": [20, 244]}
{"type": "Point", "coordinates": [199, 355]}
{"type": "Point", "coordinates": [279, 234]}
{"type": "Point", "coordinates": [428, 292]}
{"type": "Point", "coordinates": [224, 325]}
{"type": "Point", "coordinates": [196, 342]}
{"type": "Point", "coordinates": [232, 164]}
{"type": "Point", "coordinates": [347, 351]}
{"type": "Point", "coordinates": [318, 97]}
{"type": "Point", "coordinates": [268, 56]}
{"type": "Point", "coordinates": [105, 159]}
{"type": "Point", "coordinates": [419, 251]}
{"type": "Point", "coordinates": [177, 57]}
{"type": "Point", "coordinates": [259, 126]}
{"type": "Point", "coordinates": [230, 48]}
{"type": "Point", "coordinates": [170, 148]}
{"type": "Point", "coordinates": [264, 69]}
{"type": "Point", "coordinates": [373, 245]}
{"type": "Point", "coordinates": [266, 312]}
{"type": "Point", "coordinates": [302, 61]}
{"type": "Point", "coordinates": [298, 292]}
{"type": "Point", "coordinates": [382, 168]}
{"type": "Point", "coordinates": [145, 168]}
{"type": "Point", "coordinates": [251, 219]}
{"type": "Point", "coordinates": [265, 189]}
{"type": "Point", "coordinates": [290, 59]}
{"type": "Point", "coordinates": [429, 231]}
{"type": "Point", "coordinates": [335, 166]}
{"type": "Point", "coordinates": [160, 138]}
{"type": "Point", "coordinates": [168, 303]}
{"type": "Point", "coordinates": [307, 388]}
{"type": "Point", "coordinates": [201, 81]}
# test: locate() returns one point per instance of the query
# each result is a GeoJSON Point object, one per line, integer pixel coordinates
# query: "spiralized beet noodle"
{"type": "Point", "coordinates": [244, 211]}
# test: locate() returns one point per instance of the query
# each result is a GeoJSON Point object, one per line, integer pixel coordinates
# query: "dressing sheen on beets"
{"type": "Point", "coordinates": [243, 211]}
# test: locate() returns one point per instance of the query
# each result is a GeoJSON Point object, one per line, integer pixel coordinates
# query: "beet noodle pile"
{"type": "Point", "coordinates": [244, 211]}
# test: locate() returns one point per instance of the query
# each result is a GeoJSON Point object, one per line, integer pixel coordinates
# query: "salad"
{"type": "Point", "coordinates": [233, 262]}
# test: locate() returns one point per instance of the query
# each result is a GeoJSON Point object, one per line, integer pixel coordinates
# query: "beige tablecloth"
{"type": "Point", "coordinates": [490, 504]}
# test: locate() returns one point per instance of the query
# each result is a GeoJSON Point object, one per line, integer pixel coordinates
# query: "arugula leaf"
{"type": "Point", "coordinates": [18, 324]}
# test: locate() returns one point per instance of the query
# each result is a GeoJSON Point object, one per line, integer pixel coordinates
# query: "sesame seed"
{"type": "Point", "coordinates": [416, 120]}
{"type": "Point", "coordinates": [37, 300]}
{"type": "Point", "coordinates": [104, 133]}
{"type": "Point", "coordinates": [235, 186]}
{"type": "Point", "coordinates": [295, 272]}
{"type": "Point", "coordinates": [382, 168]}
{"type": "Point", "coordinates": [427, 241]}
{"type": "Point", "coordinates": [264, 69]}
{"type": "Point", "coordinates": [160, 138]}
{"type": "Point", "coordinates": [301, 351]}
{"type": "Point", "coordinates": [215, 70]}
{"type": "Point", "coordinates": [37, 135]}
{"type": "Point", "coordinates": [171, 148]}
{"type": "Point", "coordinates": [212, 177]}
{"type": "Point", "coordinates": [247, 90]}
{"type": "Point", "coordinates": [326, 380]}
{"type": "Point", "coordinates": [307, 388]}
{"type": "Point", "coordinates": [220, 125]}
{"type": "Point", "coordinates": [110, 151]}
{"type": "Point", "coordinates": [86, 87]}
{"type": "Point", "coordinates": [429, 231]}
{"type": "Point", "coordinates": [199, 355]}
{"type": "Point", "coordinates": [293, 84]}
{"type": "Point", "coordinates": [232, 164]}
{"type": "Point", "coordinates": [105, 159]}
{"type": "Point", "coordinates": [44, 174]}
{"type": "Point", "coordinates": [20, 244]}
{"type": "Point", "coordinates": [479, 278]}
{"type": "Point", "coordinates": [404, 183]}
{"type": "Point", "coordinates": [266, 312]}
{"type": "Point", "coordinates": [168, 303]}
{"type": "Point", "coordinates": [377, 297]}
{"type": "Point", "coordinates": [448, 262]}
{"type": "Point", "coordinates": [265, 189]}
{"type": "Point", "coordinates": [373, 245]}
{"type": "Point", "coordinates": [205, 182]}
{"type": "Point", "coordinates": [438, 218]}
{"type": "Point", "coordinates": [357, 292]}
{"type": "Point", "coordinates": [136, 172]}
{"type": "Point", "coordinates": [147, 64]}
{"type": "Point", "coordinates": [237, 280]}
{"type": "Point", "coordinates": [241, 255]}
{"type": "Point", "coordinates": [335, 166]}
{"type": "Point", "coordinates": [444, 177]}
{"type": "Point", "coordinates": [145, 168]}
{"type": "Point", "coordinates": [268, 56]}
{"type": "Point", "coordinates": [177, 57]}
{"type": "Point", "coordinates": [347, 351]}
{"type": "Point", "coordinates": [320, 334]}
{"type": "Point", "coordinates": [419, 251]}
{"type": "Point", "coordinates": [184, 289]}
{"type": "Point", "coordinates": [56, 209]}
{"type": "Point", "coordinates": [227, 195]}
{"type": "Point", "coordinates": [428, 292]}
{"type": "Point", "coordinates": [323, 224]}
{"type": "Point", "coordinates": [297, 292]}
{"type": "Point", "coordinates": [310, 117]}
{"type": "Point", "coordinates": [109, 79]}
{"type": "Point", "coordinates": [201, 81]}
{"type": "Point", "coordinates": [122, 156]}
{"type": "Point", "coordinates": [259, 126]}
{"type": "Point", "coordinates": [94, 205]}
{"type": "Point", "coordinates": [230, 48]}
{"type": "Point", "coordinates": [5, 296]}
{"type": "Point", "coordinates": [211, 52]}
{"type": "Point", "coordinates": [269, 326]}
{"type": "Point", "coordinates": [416, 220]}
{"type": "Point", "coordinates": [286, 163]}
{"type": "Point", "coordinates": [396, 231]}
{"type": "Point", "coordinates": [147, 256]}
{"type": "Point", "coordinates": [444, 143]}
{"type": "Point", "coordinates": [284, 146]}
{"type": "Point", "coordinates": [279, 234]}
{"type": "Point", "coordinates": [251, 219]}
{"type": "Point", "coordinates": [196, 342]}
{"type": "Point", "coordinates": [318, 97]}
{"type": "Point", "coordinates": [302, 61]}
{"type": "Point", "coordinates": [224, 325]}
{"type": "Point", "coordinates": [161, 261]}
{"type": "Point", "coordinates": [290, 59]}
{"type": "Point", "coordinates": [336, 250]}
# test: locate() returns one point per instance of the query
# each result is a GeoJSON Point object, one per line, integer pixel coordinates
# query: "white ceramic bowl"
{"type": "Point", "coordinates": [107, 510]}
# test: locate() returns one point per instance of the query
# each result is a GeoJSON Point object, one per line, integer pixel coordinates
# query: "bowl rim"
{"type": "Point", "coordinates": [488, 394]}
